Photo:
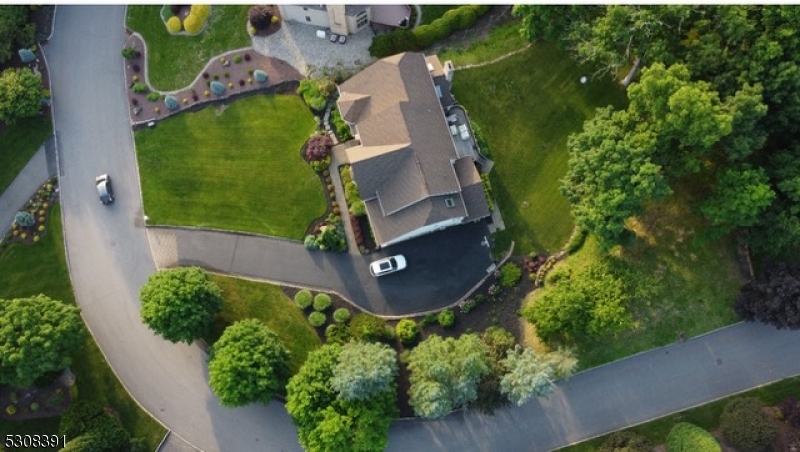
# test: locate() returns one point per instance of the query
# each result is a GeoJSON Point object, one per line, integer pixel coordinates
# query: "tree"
{"type": "Point", "coordinates": [179, 304]}
{"type": "Point", "coordinates": [772, 299]}
{"type": "Point", "coordinates": [364, 370]}
{"type": "Point", "coordinates": [626, 441]}
{"type": "Point", "coordinates": [745, 425]}
{"type": "Point", "coordinates": [445, 373]}
{"type": "Point", "coordinates": [327, 422]}
{"type": "Point", "coordinates": [38, 335]}
{"type": "Point", "coordinates": [738, 199]}
{"type": "Point", "coordinates": [20, 94]}
{"type": "Point", "coordinates": [88, 427]}
{"type": "Point", "coordinates": [611, 175]}
{"type": "Point", "coordinates": [528, 375]}
{"type": "Point", "coordinates": [686, 437]}
{"type": "Point", "coordinates": [552, 22]}
{"type": "Point", "coordinates": [15, 30]}
{"type": "Point", "coordinates": [249, 363]}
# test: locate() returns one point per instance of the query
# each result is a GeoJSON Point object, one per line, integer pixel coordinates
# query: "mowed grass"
{"type": "Point", "coordinates": [173, 61]}
{"type": "Point", "coordinates": [31, 270]}
{"type": "Point", "coordinates": [693, 283]}
{"type": "Point", "coordinates": [501, 41]}
{"type": "Point", "coordinates": [705, 416]}
{"type": "Point", "coordinates": [527, 105]}
{"type": "Point", "coordinates": [240, 169]}
{"type": "Point", "coordinates": [245, 299]}
{"type": "Point", "coordinates": [18, 143]}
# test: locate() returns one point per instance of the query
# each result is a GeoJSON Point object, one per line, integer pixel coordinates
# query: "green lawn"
{"type": "Point", "coordinates": [246, 299]}
{"type": "Point", "coordinates": [433, 12]}
{"type": "Point", "coordinates": [527, 105]}
{"type": "Point", "coordinates": [501, 41]}
{"type": "Point", "coordinates": [30, 270]}
{"type": "Point", "coordinates": [705, 416]}
{"type": "Point", "coordinates": [240, 169]}
{"type": "Point", "coordinates": [693, 283]}
{"type": "Point", "coordinates": [173, 61]}
{"type": "Point", "coordinates": [18, 143]}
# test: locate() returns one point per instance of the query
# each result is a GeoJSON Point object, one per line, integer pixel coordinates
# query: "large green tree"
{"type": "Point", "coordinates": [249, 363]}
{"type": "Point", "coordinates": [20, 94]}
{"type": "Point", "coordinates": [16, 30]}
{"type": "Point", "coordinates": [179, 304]}
{"type": "Point", "coordinates": [445, 373]}
{"type": "Point", "coordinates": [739, 197]}
{"type": "Point", "coordinates": [37, 336]}
{"type": "Point", "coordinates": [325, 421]}
{"type": "Point", "coordinates": [364, 370]}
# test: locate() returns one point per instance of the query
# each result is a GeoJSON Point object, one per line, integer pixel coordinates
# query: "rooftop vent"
{"type": "Point", "coordinates": [449, 202]}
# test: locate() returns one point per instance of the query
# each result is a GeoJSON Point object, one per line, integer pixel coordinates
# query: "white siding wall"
{"type": "Point", "coordinates": [295, 13]}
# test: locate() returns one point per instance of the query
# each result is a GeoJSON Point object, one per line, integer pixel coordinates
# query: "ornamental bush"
{"type": "Point", "coordinates": [171, 102]}
{"type": "Point", "coordinates": [217, 88]}
{"type": "Point", "coordinates": [260, 17]}
{"type": "Point", "coordinates": [407, 331]}
{"type": "Point", "coordinates": [510, 274]}
{"type": "Point", "coordinates": [174, 24]}
{"type": "Point", "coordinates": [260, 76]}
{"type": "Point", "coordinates": [303, 299]}
{"type": "Point", "coordinates": [686, 437]}
{"type": "Point", "coordinates": [129, 53]}
{"type": "Point", "coordinates": [446, 318]}
{"type": "Point", "coordinates": [140, 88]}
{"type": "Point", "coordinates": [24, 219]}
{"type": "Point", "coordinates": [319, 147]}
{"type": "Point", "coordinates": [368, 328]}
{"type": "Point", "coordinates": [310, 242]}
{"type": "Point", "coordinates": [322, 301]}
{"type": "Point", "coordinates": [153, 96]}
{"type": "Point", "coordinates": [745, 426]}
{"type": "Point", "coordinates": [337, 333]}
{"type": "Point", "coordinates": [193, 24]}
{"type": "Point", "coordinates": [26, 55]}
{"type": "Point", "coordinates": [316, 319]}
{"type": "Point", "coordinates": [201, 11]}
{"type": "Point", "coordinates": [341, 315]}
{"type": "Point", "coordinates": [626, 442]}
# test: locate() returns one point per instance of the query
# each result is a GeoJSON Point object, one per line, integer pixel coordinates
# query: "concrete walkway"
{"type": "Point", "coordinates": [33, 175]}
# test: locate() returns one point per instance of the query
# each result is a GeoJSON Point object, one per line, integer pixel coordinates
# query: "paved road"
{"type": "Point", "coordinates": [110, 259]}
{"type": "Point", "coordinates": [109, 256]}
{"type": "Point", "coordinates": [441, 266]}
{"type": "Point", "coordinates": [32, 176]}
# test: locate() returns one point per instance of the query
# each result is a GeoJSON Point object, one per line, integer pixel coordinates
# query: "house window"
{"type": "Point", "coordinates": [308, 19]}
{"type": "Point", "coordinates": [449, 202]}
{"type": "Point", "coordinates": [361, 19]}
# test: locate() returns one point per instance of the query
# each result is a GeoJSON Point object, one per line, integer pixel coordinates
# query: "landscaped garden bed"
{"type": "Point", "coordinates": [30, 224]}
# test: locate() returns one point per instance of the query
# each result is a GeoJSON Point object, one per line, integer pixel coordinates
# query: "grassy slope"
{"type": "Point", "coordinates": [18, 144]}
{"type": "Point", "coordinates": [527, 105]}
{"type": "Point", "coordinates": [174, 61]}
{"type": "Point", "coordinates": [705, 416]}
{"type": "Point", "coordinates": [246, 299]}
{"type": "Point", "coordinates": [501, 41]}
{"type": "Point", "coordinates": [30, 270]}
{"type": "Point", "coordinates": [695, 282]}
{"type": "Point", "coordinates": [238, 170]}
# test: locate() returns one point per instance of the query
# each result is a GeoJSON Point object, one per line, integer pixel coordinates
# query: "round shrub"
{"type": "Point", "coordinates": [135, 68]}
{"type": "Point", "coordinates": [337, 333]}
{"type": "Point", "coordinates": [368, 327]}
{"type": "Point", "coordinates": [193, 24]}
{"type": "Point", "coordinates": [686, 437]}
{"type": "Point", "coordinates": [446, 318]}
{"type": "Point", "coordinates": [140, 88]}
{"type": "Point", "coordinates": [745, 426]}
{"type": "Point", "coordinates": [153, 96]}
{"type": "Point", "coordinates": [230, 84]}
{"type": "Point", "coordinates": [260, 76]}
{"type": "Point", "coordinates": [35, 406]}
{"type": "Point", "coordinates": [626, 442]}
{"type": "Point", "coordinates": [174, 24]}
{"type": "Point", "coordinates": [11, 410]}
{"type": "Point", "coordinates": [260, 17]}
{"type": "Point", "coordinates": [217, 88]}
{"type": "Point", "coordinates": [303, 299]}
{"type": "Point", "coordinates": [317, 319]}
{"type": "Point", "coordinates": [510, 274]}
{"type": "Point", "coordinates": [341, 315]}
{"type": "Point", "coordinates": [201, 11]}
{"type": "Point", "coordinates": [247, 57]}
{"type": "Point", "coordinates": [407, 331]}
{"type": "Point", "coordinates": [241, 82]}
{"type": "Point", "coordinates": [24, 219]}
{"type": "Point", "coordinates": [171, 102]}
{"type": "Point", "coordinates": [310, 242]}
{"type": "Point", "coordinates": [237, 59]}
{"type": "Point", "coordinates": [206, 75]}
{"type": "Point", "coordinates": [322, 301]}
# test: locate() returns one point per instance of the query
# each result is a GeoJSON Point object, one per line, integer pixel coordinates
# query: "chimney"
{"type": "Point", "coordinates": [449, 69]}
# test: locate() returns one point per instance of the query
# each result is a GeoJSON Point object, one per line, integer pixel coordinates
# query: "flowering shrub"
{"type": "Point", "coordinates": [217, 88]}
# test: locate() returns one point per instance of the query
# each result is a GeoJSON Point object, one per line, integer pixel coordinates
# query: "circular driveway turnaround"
{"type": "Point", "coordinates": [109, 256]}
{"type": "Point", "coordinates": [110, 259]}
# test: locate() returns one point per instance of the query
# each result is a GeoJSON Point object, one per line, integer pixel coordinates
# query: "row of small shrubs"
{"type": "Point", "coordinates": [351, 194]}
{"type": "Point", "coordinates": [480, 138]}
{"type": "Point", "coordinates": [330, 238]}
{"type": "Point", "coordinates": [445, 318]}
{"type": "Point", "coordinates": [304, 299]}
{"type": "Point", "coordinates": [342, 129]}
{"type": "Point", "coordinates": [424, 36]}
{"type": "Point", "coordinates": [487, 191]}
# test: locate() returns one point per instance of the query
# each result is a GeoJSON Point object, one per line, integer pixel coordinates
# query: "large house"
{"type": "Point", "coordinates": [406, 166]}
{"type": "Point", "coordinates": [346, 19]}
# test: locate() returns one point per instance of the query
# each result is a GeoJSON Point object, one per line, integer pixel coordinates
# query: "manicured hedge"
{"type": "Point", "coordinates": [686, 437]}
{"type": "Point", "coordinates": [745, 426]}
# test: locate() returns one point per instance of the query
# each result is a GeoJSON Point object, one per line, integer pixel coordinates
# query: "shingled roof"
{"type": "Point", "coordinates": [406, 165]}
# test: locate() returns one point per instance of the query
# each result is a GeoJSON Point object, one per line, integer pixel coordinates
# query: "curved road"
{"type": "Point", "coordinates": [110, 259]}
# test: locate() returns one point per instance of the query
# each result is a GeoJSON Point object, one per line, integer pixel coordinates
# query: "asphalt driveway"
{"type": "Point", "coordinates": [442, 266]}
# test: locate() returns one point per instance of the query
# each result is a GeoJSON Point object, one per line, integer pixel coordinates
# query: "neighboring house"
{"type": "Point", "coordinates": [407, 166]}
{"type": "Point", "coordinates": [346, 19]}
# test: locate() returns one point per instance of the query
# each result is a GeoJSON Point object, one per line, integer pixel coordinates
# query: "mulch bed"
{"type": "Point", "coordinates": [498, 310]}
{"type": "Point", "coordinates": [39, 206]}
{"type": "Point", "coordinates": [237, 78]}
{"type": "Point", "coordinates": [50, 399]}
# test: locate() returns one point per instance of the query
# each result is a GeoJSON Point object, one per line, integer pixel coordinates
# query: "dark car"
{"type": "Point", "coordinates": [342, 39]}
{"type": "Point", "coordinates": [103, 184]}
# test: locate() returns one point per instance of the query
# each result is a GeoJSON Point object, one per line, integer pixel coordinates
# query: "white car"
{"type": "Point", "coordinates": [387, 265]}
